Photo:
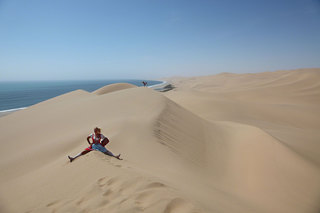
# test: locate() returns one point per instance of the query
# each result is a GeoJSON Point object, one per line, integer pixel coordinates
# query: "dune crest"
{"type": "Point", "coordinates": [113, 88]}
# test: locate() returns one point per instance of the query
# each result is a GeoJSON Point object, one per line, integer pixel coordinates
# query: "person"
{"type": "Point", "coordinates": [145, 83]}
{"type": "Point", "coordinates": [99, 141]}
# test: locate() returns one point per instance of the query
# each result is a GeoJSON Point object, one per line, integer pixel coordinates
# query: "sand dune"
{"type": "Point", "coordinates": [113, 88]}
{"type": "Point", "coordinates": [223, 143]}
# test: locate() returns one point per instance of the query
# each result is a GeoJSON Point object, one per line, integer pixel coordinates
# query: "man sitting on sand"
{"type": "Point", "coordinates": [98, 143]}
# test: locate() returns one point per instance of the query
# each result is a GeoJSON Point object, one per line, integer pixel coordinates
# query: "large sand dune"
{"type": "Point", "coordinates": [223, 143]}
{"type": "Point", "coordinates": [113, 88]}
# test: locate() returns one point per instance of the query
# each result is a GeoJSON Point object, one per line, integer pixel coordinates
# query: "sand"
{"type": "Point", "coordinates": [221, 143]}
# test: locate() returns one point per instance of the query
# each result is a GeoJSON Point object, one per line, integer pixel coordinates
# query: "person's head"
{"type": "Point", "coordinates": [97, 130]}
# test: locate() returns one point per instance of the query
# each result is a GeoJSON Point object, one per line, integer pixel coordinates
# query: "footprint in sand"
{"type": "Point", "coordinates": [52, 203]}
{"type": "Point", "coordinates": [107, 193]}
{"type": "Point", "coordinates": [155, 185]}
{"type": "Point", "coordinates": [112, 181]}
{"type": "Point", "coordinates": [102, 181]}
{"type": "Point", "coordinates": [81, 201]}
{"type": "Point", "coordinates": [177, 205]}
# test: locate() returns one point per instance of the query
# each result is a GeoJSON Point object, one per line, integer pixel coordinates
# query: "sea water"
{"type": "Point", "coordinates": [17, 95]}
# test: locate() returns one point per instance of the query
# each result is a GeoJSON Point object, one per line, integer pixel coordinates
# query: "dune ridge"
{"type": "Point", "coordinates": [113, 88]}
{"type": "Point", "coordinates": [197, 148]}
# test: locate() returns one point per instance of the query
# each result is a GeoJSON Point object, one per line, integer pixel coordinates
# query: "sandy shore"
{"type": "Point", "coordinates": [7, 112]}
{"type": "Point", "coordinates": [221, 143]}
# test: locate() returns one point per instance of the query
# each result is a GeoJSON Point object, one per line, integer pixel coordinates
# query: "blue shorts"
{"type": "Point", "coordinates": [99, 147]}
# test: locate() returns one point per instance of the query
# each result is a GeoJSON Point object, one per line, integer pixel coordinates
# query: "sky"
{"type": "Point", "coordinates": [151, 39]}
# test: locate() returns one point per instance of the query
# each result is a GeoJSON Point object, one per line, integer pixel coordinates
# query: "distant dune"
{"type": "Point", "coordinates": [113, 88]}
{"type": "Point", "coordinates": [222, 143]}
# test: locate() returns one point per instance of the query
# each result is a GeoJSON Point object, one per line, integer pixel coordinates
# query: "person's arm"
{"type": "Point", "coordinates": [105, 141]}
{"type": "Point", "coordinates": [88, 140]}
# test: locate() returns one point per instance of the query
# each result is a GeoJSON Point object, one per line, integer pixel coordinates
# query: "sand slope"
{"type": "Point", "coordinates": [198, 148]}
{"type": "Point", "coordinates": [113, 88]}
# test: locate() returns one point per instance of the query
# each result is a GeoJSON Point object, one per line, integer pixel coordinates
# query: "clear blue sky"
{"type": "Point", "coordinates": [92, 39]}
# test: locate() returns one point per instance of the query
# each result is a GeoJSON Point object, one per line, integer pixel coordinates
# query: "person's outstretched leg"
{"type": "Point", "coordinates": [78, 155]}
{"type": "Point", "coordinates": [107, 152]}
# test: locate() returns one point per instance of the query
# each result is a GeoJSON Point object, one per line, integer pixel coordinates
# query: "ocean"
{"type": "Point", "coordinates": [18, 95]}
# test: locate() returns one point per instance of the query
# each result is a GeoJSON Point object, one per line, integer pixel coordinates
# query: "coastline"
{"type": "Point", "coordinates": [163, 83]}
{"type": "Point", "coordinates": [161, 87]}
{"type": "Point", "coordinates": [8, 111]}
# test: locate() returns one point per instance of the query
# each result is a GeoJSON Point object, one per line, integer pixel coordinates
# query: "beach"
{"type": "Point", "coordinates": [219, 143]}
